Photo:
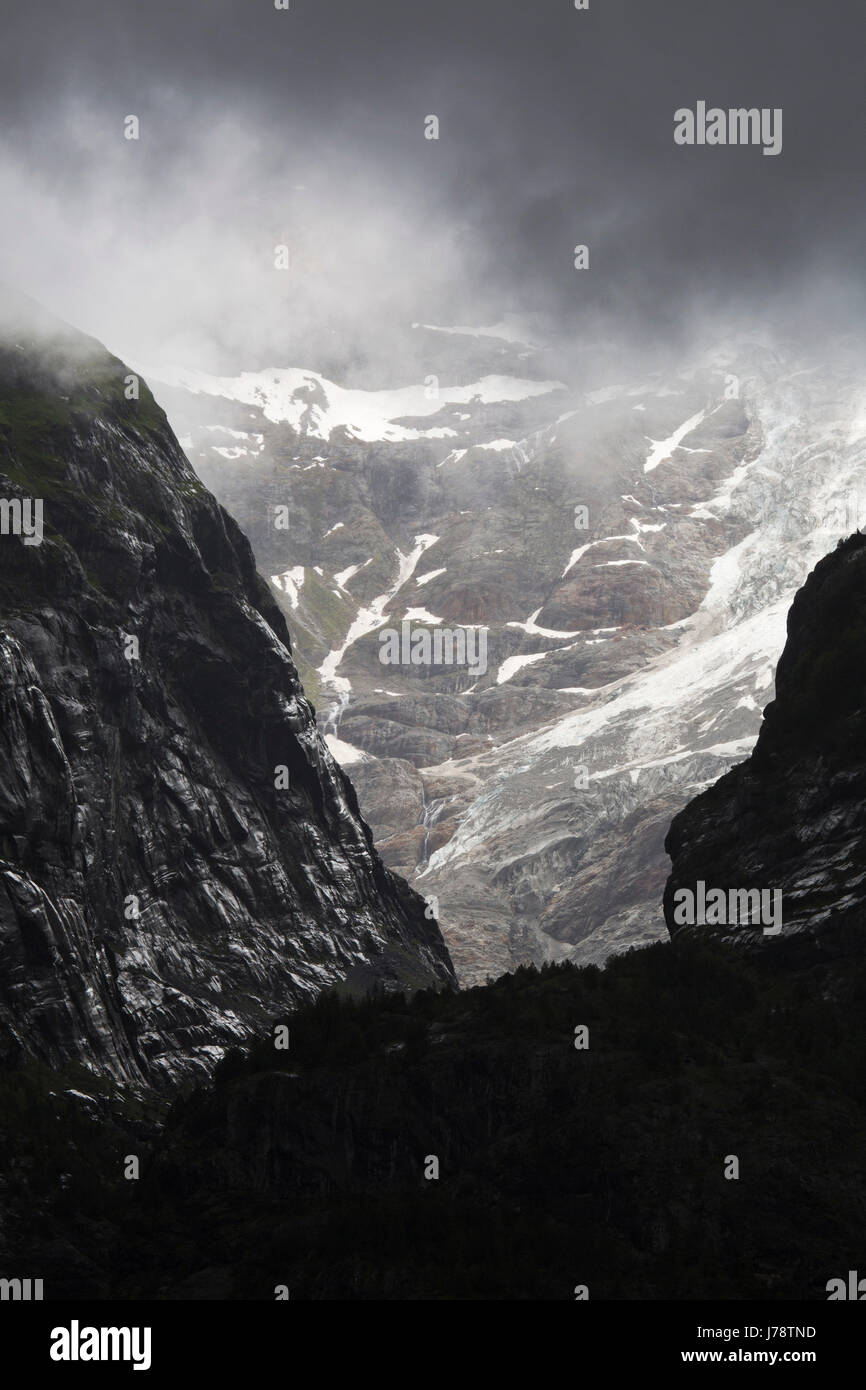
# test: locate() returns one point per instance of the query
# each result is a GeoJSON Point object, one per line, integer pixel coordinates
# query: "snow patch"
{"type": "Point", "coordinates": [290, 582]}
{"type": "Point", "coordinates": [420, 615]}
{"type": "Point", "coordinates": [609, 564]}
{"type": "Point", "coordinates": [345, 753]}
{"type": "Point", "coordinates": [663, 448]}
{"type": "Point", "coordinates": [315, 406]}
{"type": "Point", "coordinates": [513, 664]}
{"type": "Point", "coordinates": [508, 329]}
{"type": "Point", "coordinates": [345, 575]}
{"type": "Point", "coordinates": [531, 628]}
{"type": "Point", "coordinates": [371, 617]}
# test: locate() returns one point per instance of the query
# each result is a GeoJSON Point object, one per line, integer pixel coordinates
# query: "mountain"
{"type": "Point", "coordinates": [686, 1123]}
{"type": "Point", "coordinates": [628, 546]}
{"type": "Point", "coordinates": [180, 856]}
{"type": "Point", "coordinates": [791, 819]}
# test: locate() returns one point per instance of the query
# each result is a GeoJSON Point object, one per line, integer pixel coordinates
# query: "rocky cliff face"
{"type": "Point", "coordinates": [180, 857]}
{"type": "Point", "coordinates": [631, 550]}
{"type": "Point", "coordinates": [792, 818]}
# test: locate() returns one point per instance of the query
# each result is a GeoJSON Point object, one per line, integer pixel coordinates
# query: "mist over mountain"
{"type": "Point", "coordinates": [432, 784]}
{"type": "Point", "coordinates": [626, 552]}
{"type": "Point", "coordinates": [306, 128]}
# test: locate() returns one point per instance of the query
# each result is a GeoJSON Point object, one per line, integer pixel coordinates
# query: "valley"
{"type": "Point", "coordinates": [628, 552]}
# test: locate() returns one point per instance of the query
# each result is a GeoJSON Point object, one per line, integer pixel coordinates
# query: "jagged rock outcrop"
{"type": "Point", "coordinates": [792, 817]}
{"type": "Point", "coordinates": [162, 891]}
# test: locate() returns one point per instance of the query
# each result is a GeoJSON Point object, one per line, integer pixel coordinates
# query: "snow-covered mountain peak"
{"type": "Point", "coordinates": [314, 406]}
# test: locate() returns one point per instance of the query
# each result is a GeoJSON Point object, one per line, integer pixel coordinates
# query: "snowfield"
{"type": "Point", "coordinates": [315, 406]}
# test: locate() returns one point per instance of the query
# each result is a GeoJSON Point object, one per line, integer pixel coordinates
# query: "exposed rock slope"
{"type": "Point", "coordinates": [143, 779]}
{"type": "Point", "coordinates": [628, 658]}
{"type": "Point", "coordinates": [793, 816]}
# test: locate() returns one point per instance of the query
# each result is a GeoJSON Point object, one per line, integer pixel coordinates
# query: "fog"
{"type": "Point", "coordinates": [306, 128]}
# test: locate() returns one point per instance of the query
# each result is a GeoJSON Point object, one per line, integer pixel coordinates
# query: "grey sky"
{"type": "Point", "coordinates": [259, 126]}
